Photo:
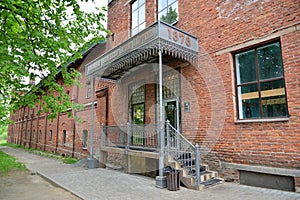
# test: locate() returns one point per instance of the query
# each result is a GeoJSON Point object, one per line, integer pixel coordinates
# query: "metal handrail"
{"type": "Point", "coordinates": [184, 152]}
{"type": "Point", "coordinates": [176, 145]}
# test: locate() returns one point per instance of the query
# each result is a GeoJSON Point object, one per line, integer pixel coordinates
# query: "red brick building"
{"type": "Point", "coordinates": [229, 83]}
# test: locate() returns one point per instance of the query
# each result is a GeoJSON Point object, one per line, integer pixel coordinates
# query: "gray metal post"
{"type": "Point", "coordinates": [161, 180]}
{"type": "Point", "coordinates": [197, 152]}
{"type": "Point", "coordinates": [128, 136]}
{"type": "Point", "coordinates": [168, 137]}
{"type": "Point", "coordinates": [91, 159]}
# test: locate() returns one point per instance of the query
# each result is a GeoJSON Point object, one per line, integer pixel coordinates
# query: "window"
{"type": "Point", "coordinates": [88, 90]}
{"type": "Point", "coordinates": [168, 11]}
{"type": "Point", "coordinates": [50, 136]}
{"type": "Point", "coordinates": [40, 136]}
{"type": "Point", "coordinates": [84, 139]}
{"type": "Point", "coordinates": [138, 22]}
{"type": "Point", "coordinates": [64, 136]}
{"type": "Point", "coordinates": [137, 100]}
{"type": "Point", "coordinates": [260, 83]}
{"type": "Point", "coordinates": [171, 84]}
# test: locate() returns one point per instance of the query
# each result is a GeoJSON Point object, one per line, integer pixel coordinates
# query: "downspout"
{"type": "Point", "coordinates": [161, 180]}
{"type": "Point", "coordinates": [37, 131]}
{"type": "Point", "coordinates": [91, 162]}
{"type": "Point", "coordinates": [45, 138]}
{"type": "Point", "coordinates": [57, 129]}
{"type": "Point", "coordinates": [31, 122]}
{"type": "Point", "coordinates": [22, 122]}
{"type": "Point", "coordinates": [74, 124]}
{"type": "Point", "coordinates": [27, 119]}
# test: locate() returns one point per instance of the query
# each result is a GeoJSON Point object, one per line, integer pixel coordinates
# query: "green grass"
{"type": "Point", "coordinates": [64, 159]}
{"type": "Point", "coordinates": [8, 163]}
{"type": "Point", "coordinates": [2, 141]}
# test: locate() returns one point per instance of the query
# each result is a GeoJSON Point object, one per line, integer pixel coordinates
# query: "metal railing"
{"type": "Point", "coordinates": [183, 151]}
{"type": "Point", "coordinates": [130, 136]}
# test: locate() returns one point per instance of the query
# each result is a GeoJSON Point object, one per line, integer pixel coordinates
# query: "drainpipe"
{"type": "Point", "coordinates": [91, 162]}
{"type": "Point", "coordinates": [26, 125]}
{"type": "Point", "coordinates": [22, 123]}
{"type": "Point", "coordinates": [57, 130]}
{"type": "Point", "coordinates": [161, 180]}
{"type": "Point", "coordinates": [45, 136]}
{"type": "Point", "coordinates": [37, 131]}
{"type": "Point", "coordinates": [31, 123]}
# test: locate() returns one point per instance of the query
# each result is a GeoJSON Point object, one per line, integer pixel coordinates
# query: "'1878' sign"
{"type": "Point", "coordinates": [180, 37]}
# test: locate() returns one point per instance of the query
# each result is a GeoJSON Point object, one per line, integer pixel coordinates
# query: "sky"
{"type": "Point", "coordinates": [90, 6]}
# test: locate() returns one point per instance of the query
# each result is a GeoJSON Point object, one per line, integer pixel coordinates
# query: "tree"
{"type": "Point", "coordinates": [38, 38]}
{"type": "Point", "coordinates": [170, 17]}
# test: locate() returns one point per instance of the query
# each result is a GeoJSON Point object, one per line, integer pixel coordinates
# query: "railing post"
{"type": "Point", "coordinates": [128, 136]}
{"type": "Point", "coordinates": [122, 137]}
{"type": "Point", "coordinates": [197, 154]}
{"type": "Point", "coordinates": [168, 138]}
{"type": "Point", "coordinates": [103, 142]}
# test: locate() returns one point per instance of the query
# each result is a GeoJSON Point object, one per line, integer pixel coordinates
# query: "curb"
{"type": "Point", "coordinates": [53, 182]}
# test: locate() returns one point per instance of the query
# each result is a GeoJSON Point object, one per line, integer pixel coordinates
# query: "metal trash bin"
{"type": "Point", "coordinates": [173, 178]}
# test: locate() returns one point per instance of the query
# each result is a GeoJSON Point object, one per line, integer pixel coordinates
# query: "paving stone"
{"type": "Point", "coordinates": [104, 184]}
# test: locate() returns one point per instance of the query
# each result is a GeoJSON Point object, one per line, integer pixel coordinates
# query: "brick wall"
{"type": "Point", "coordinates": [222, 27]}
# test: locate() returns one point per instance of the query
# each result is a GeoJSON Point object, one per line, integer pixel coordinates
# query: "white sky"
{"type": "Point", "coordinates": [90, 6]}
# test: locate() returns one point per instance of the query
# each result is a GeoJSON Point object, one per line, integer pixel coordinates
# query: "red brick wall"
{"type": "Point", "coordinates": [220, 26]}
{"type": "Point", "coordinates": [223, 24]}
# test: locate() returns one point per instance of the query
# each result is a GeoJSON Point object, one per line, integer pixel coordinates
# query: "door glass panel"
{"type": "Point", "coordinates": [171, 113]}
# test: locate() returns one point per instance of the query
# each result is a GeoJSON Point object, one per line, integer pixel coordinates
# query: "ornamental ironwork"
{"type": "Point", "coordinates": [138, 49]}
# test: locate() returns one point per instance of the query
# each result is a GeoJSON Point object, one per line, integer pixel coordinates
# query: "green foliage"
{"type": "Point", "coordinates": [171, 16]}
{"type": "Point", "coordinates": [12, 145]}
{"type": "Point", "coordinates": [8, 163]}
{"type": "Point", "coordinates": [64, 159]}
{"type": "Point", "coordinates": [3, 133]}
{"type": "Point", "coordinates": [37, 36]}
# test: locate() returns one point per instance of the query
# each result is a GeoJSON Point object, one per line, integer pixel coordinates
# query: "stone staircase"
{"type": "Point", "coordinates": [184, 156]}
{"type": "Point", "coordinates": [208, 178]}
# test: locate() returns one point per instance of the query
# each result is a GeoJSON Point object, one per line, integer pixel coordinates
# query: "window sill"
{"type": "Point", "coordinates": [84, 148]}
{"type": "Point", "coordinates": [239, 121]}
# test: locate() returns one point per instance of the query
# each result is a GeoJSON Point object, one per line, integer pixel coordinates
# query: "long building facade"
{"type": "Point", "coordinates": [224, 74]}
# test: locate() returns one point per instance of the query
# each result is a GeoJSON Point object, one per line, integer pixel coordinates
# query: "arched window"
{"type": "Point", "coordinates": [84, 139]}
{"type": "Point", "coordinates": [50, 136]}
{"type": "Point", "coordinates": [64, 136]}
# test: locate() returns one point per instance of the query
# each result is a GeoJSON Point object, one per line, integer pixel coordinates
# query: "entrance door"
{"type": "Point", "coordinates": [172, 112]}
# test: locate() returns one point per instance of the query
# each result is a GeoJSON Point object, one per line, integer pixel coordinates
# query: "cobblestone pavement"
{"type": "Point", "coordinates": [109, 184]}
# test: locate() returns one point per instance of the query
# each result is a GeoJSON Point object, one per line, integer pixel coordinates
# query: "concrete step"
{"type": "Point", "coordinates": [211, 182]}
{"type": "Point", "coordinates": [187, 177]}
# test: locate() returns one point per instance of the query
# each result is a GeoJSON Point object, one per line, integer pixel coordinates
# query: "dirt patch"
{"type": "Point", "coordinates": [23, 185]}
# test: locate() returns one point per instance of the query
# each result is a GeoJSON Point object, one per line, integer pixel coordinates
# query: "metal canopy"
{"type": "Point", "coordinates": [139, 48]}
